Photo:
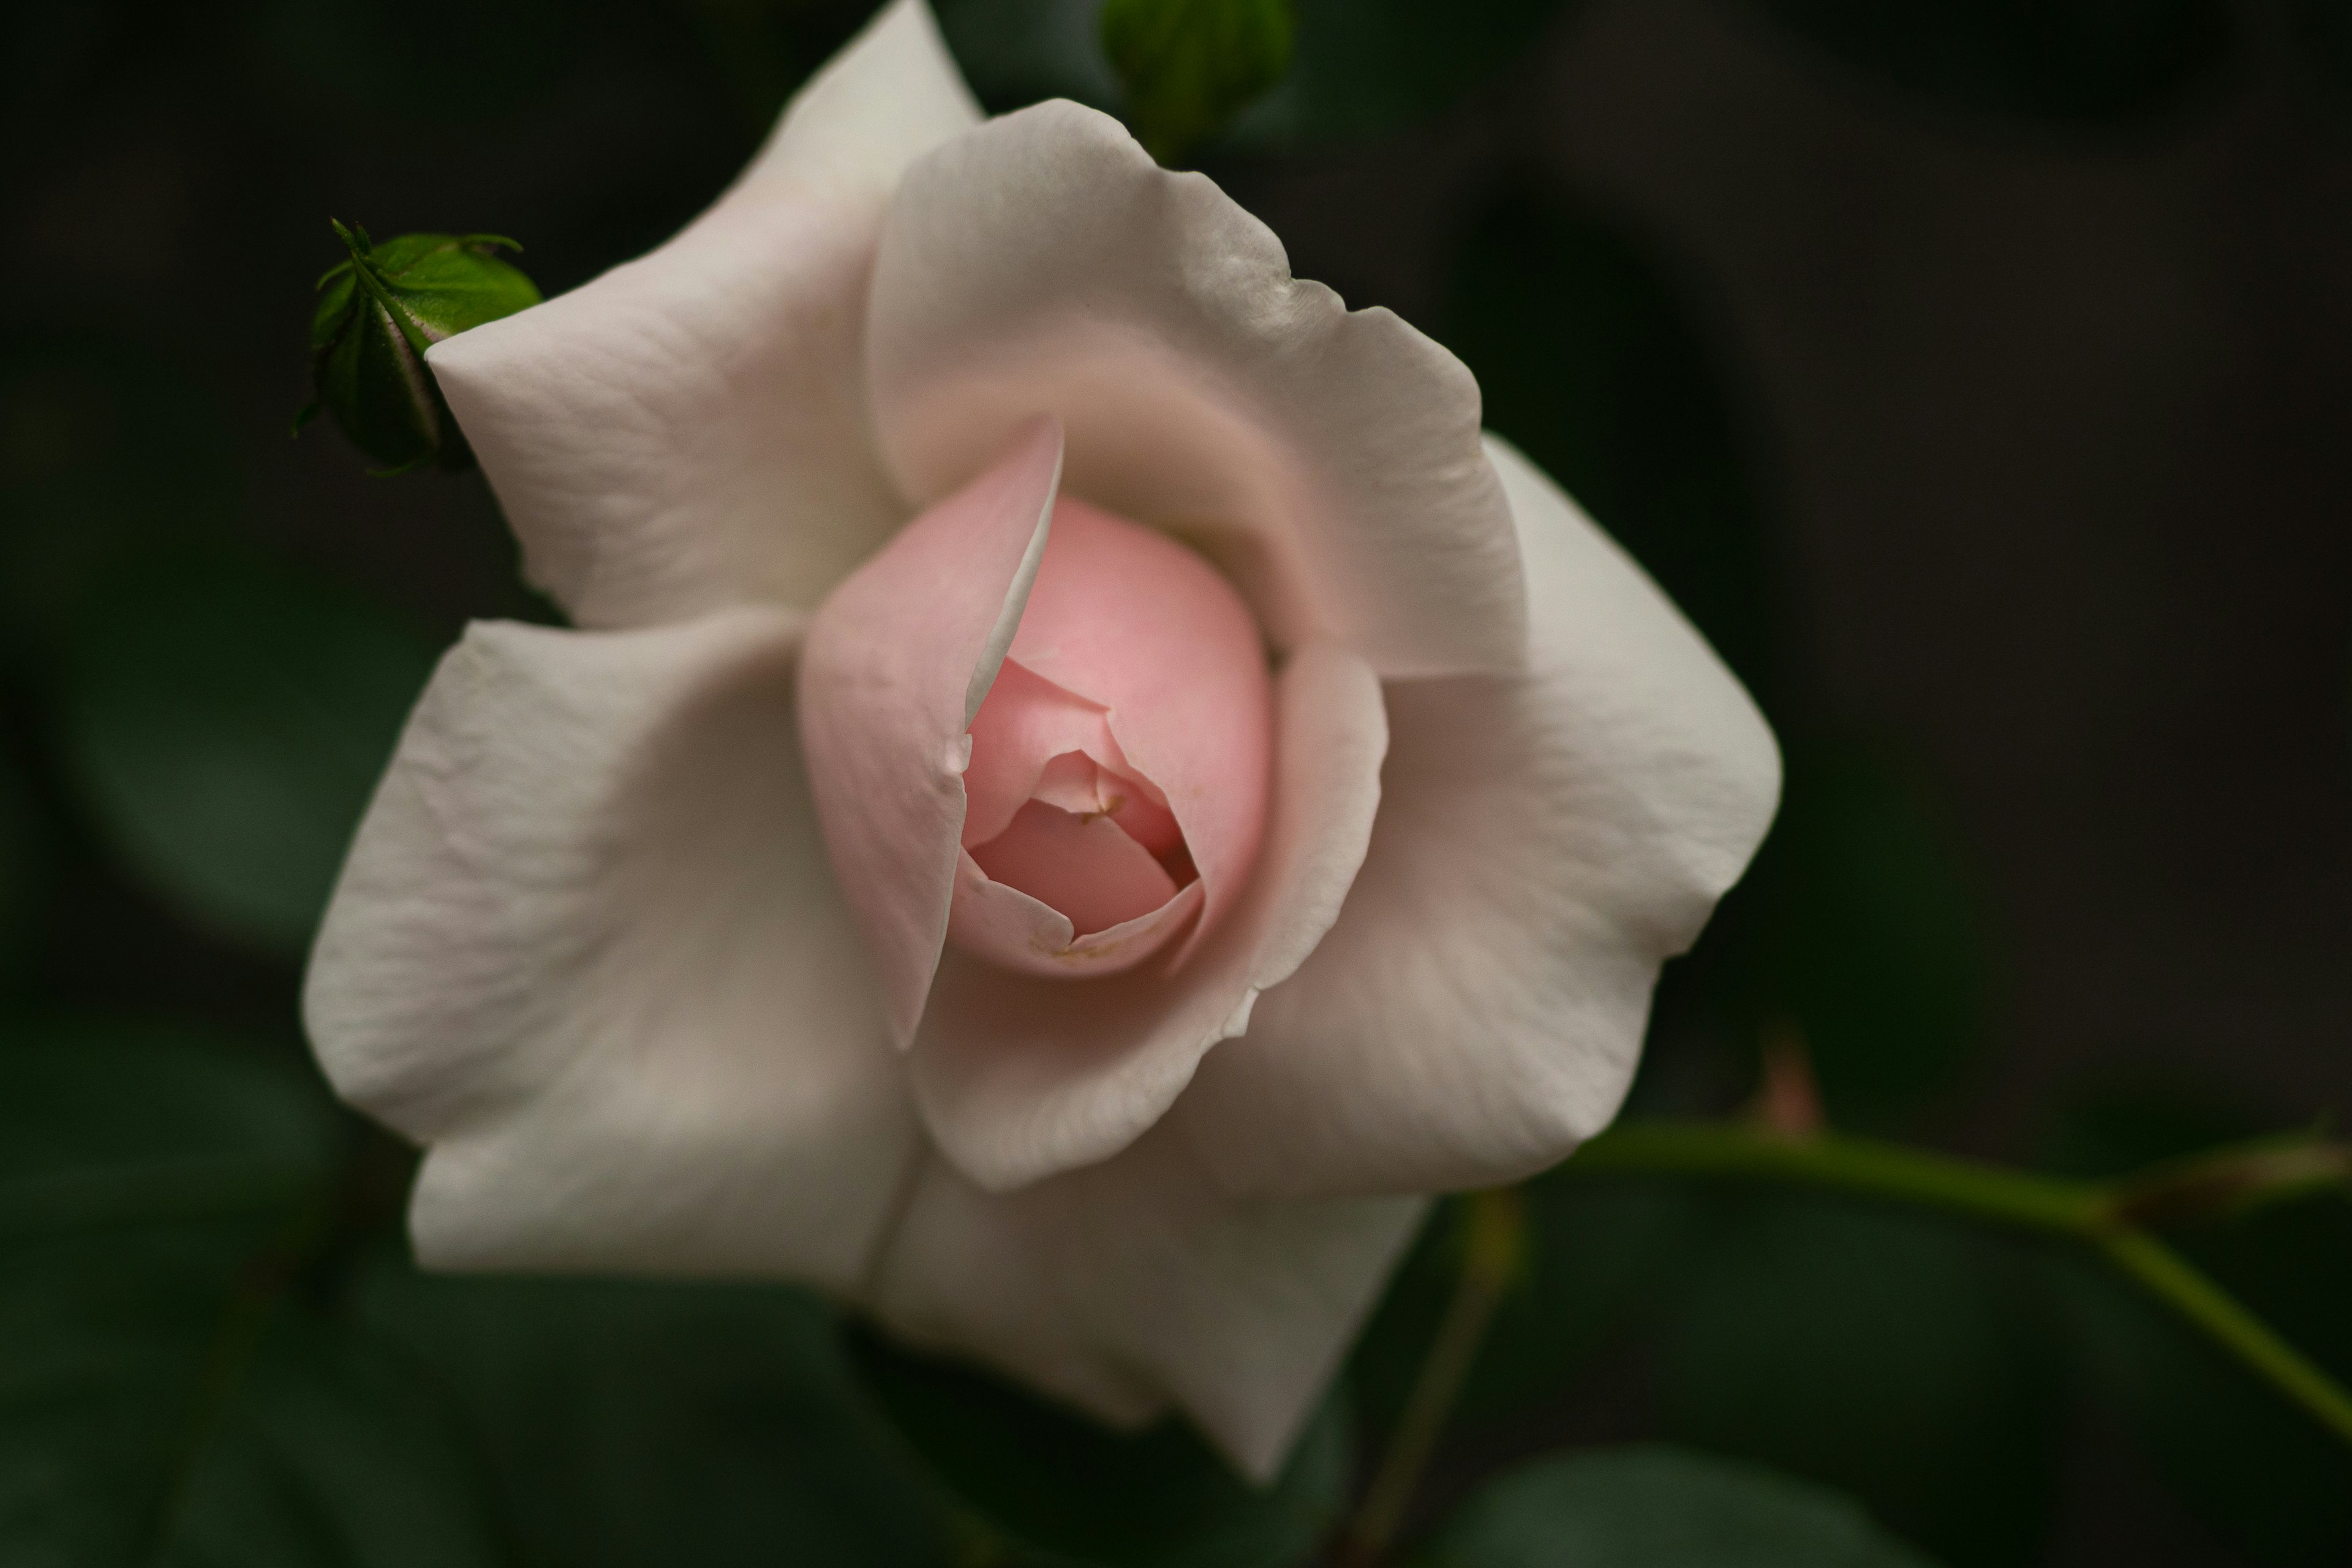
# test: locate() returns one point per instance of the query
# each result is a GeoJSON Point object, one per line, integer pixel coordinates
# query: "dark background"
{"type": "Point", "coordinates": [1980, 381]}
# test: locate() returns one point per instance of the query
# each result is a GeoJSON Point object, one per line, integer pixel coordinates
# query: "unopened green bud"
{"type": "Point", "coordinates": [378, 313]}
{"type": "Point", "coordinates": [1190, 66]}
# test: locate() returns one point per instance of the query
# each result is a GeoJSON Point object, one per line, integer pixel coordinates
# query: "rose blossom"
{"type": "Point", "coordinates": [1081, 787]}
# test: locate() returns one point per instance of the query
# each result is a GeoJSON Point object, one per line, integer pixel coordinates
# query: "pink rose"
{"type": "Point", "coordinates": [1082, 789]}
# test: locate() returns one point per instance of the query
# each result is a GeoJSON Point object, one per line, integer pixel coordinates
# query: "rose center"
{"type": "Point", "coordinates": [1115, 789]}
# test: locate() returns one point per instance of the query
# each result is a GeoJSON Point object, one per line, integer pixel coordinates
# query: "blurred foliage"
{"type": "Point", "coordinates": [1365, 70]}
{"type": "Point", "coordinates": [2075, 60]}
{"type": "Point", "coordinates": [228, 719]}
{"type": "Point", "coordinates": [1059, 1488]}
{"type": "Point", "coordinates": [24, 871]}
{"type": "Point", "coordinates": [1651, 1507]}
{"type": "Point", "coordinates": [1597, 1257]}
{"type": "Point", "coordinates": [1874, 951]}
{"type": "Point", "coordinates": [212, 1345]}
{"type": "Point", "coordinates": [163, 1401]}
{"type": "Point", "coordinates": [379, 312]}
{"type": "Point", "coordinates": [1186, 67]}
{"type": "Point", "coordinates": [2264, 1476]}
{"type": "Point", "coordinates": [627, 1425]}
{"type": "Point", "coordinates": [1876, 1351]}
{"type": "Point", "coordinates": [1357, 70]}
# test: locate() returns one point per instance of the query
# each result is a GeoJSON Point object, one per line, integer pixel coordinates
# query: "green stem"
{"type": "Point", "coordinates": [1855, 1166]}
{"type": "Point", "coordinates": [1493, 1243]}
{"type": "Point", "coordinates": [2165, 1274]}
{"type": "Point", "coordinates": [2100, 1215]}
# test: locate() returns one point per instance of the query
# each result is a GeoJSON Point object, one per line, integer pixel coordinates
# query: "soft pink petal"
{"type": "Point", "coordinates": [689, 430]}
{"type": "Point", "coordinates": [586, 951]}
{"type": "Point", "coordinates": [1328, 460]}
{"type": "Point", "coordinates": [1544, 843]}
{"type": "Point", "coordinates": [899, 659]}
{"type": "Point", "coordinates": [1136, 1283]}
{"type": "Point", "coordinates": [1129, 619]}
{"type": "Point", "coordinates": [1019, 1077]}
{"type": "Point", "coordinates": [1085, 866]}
{"type": "Point", "coordinates": [1003, 925]}
{"type": "Point", "coordinates": [1026, 722]}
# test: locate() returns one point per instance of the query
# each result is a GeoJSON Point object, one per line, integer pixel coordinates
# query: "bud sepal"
{"type": "Point", "coordinates": [379, 310]}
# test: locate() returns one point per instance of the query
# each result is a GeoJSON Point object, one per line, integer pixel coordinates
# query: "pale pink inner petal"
{"type": "Point", "coordinates": [1149, 649]}
{"type": "Point", "coordinates": [1125, 616]}
{"type": "Point", "coordinates": [1026, 722]}
{"type": "Point", "coordinates": [898, 662]}
{"type": "Point", "coordinates": [1082, 864]}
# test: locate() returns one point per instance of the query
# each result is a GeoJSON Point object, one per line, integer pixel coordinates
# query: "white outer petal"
{"type": "Point", "coordinates": [689, 431]}
{"type": "Point", "coordinates": [1329, 461]}
{"type": "Point", "coordinates": [1138, 1282]}
{"type": "Point", "coordinates": [1020, 1075]}
{"type": "Point", "coordinates": [1545, 843]}
{"type": "Point", "coordinates": [587, 951]}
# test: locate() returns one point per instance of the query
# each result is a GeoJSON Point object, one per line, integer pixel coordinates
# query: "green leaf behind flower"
{"type": "Point", "coordinates": [2261, 1473]}
{"type": "Point", "coordinates": [228, 720]}
{"type": "Point", "coordinates": [1653, 1507]}
{"type": "Point", "coordinates": [1189, 67]}
{"type": "Point", "coordinates": [646, 1425]}
{"type": "Point", "coordinates": [1882, 1352]}
{"type": "Point", "coordinates": [1064, 1490]}
{"type": "Point", "coordinates": [1358, 67]}
{"type": "Point", "coordinates": [163, 1400]}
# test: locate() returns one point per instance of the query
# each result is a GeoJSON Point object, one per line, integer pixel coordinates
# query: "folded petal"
{"type": "Point", "coordinates": [1138, 1283]}
{"type": "Point", "coordinates": [1020, 1076]}
{"type": "Point", "coordinates": [1328, 460]}
{"type": "Point", "coordinates": [899, 658]}
{"type": "Point", "coordinates": [1007, 926]}
{"type": "Point", "coordinates": [689, 430]}
{"type": "Point", "coordinates": [587, 951]}
{"type": "Point", "coordinates": [1129, 619]}
{"type": "Point", "coordinates": [1545, 842]}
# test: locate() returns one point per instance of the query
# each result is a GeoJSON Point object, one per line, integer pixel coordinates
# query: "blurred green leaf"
{"type": "Point", "coordinates": [379, 310]}
{"type": "Point", "coordinates": [1597, 1256]}
{"type": "Point", "coordinates": [160, 1404]}
{"type": "Point", "coordinates": [228, 721]}
{"type": "Point", "coordinates": [636, 1425]}
{"type": "Point", "coordinates": [1061, 1487]}
{"type": "Point", "coordinates": [107, 453]}
{"type": "Point", "coordinates": [1358, 67]}
{"type": "Point", "coordinates": [2054, 60]}
{"type": "Point", "coordinates": [762, 49]}
{"type": "Point", "coordinates": [1654, 1507]}
{"type": "Point", "coordinates": [1589, 363]}
{"type": "Point", "coordinates": [1872, 943]}
{"type": "Point", "coordinates": [24, 871]}
{"type": "Point", "coordinates": [2126, 1127]}
{"type": "Point", "coordinates": [2260, 1471]}
{"type": "Point", "coordinates": [1187, 66]}
{"type": "Point", "coordinates": [103, 1120]}
{"type": "Point", "coordinates": [1894, 1358]}
{"type": "Point", "coordinates": [331, 1455]}
{"type": "Point", "coordinates": [1372, 68]}
{"type": "Point", "coordinates": [1019, 52]}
